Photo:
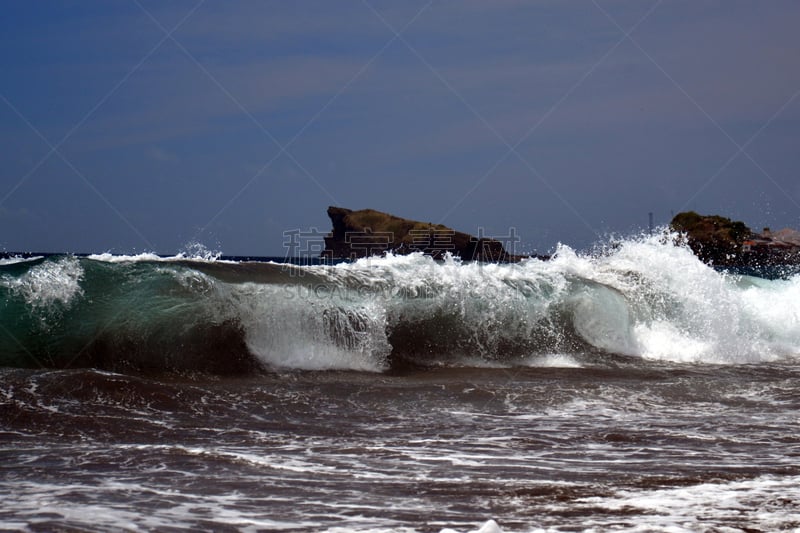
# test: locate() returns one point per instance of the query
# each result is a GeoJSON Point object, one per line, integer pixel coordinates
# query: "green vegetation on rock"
{"type": "Point", "coordinates": [715, 239]}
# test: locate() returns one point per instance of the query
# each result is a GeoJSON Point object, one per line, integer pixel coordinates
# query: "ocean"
{"type": "Point", "coordinates": [632, 388]}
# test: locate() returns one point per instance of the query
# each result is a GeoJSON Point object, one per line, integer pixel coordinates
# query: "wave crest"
{"type": "Point", "coordinates": [643, 297]}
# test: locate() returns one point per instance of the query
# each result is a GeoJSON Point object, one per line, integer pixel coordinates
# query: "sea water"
{"type": "Point", "coordinates": [630, 389]}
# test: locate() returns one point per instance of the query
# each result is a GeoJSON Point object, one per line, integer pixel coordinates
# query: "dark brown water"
{"type": "Point", "coordinates": [623, 445]}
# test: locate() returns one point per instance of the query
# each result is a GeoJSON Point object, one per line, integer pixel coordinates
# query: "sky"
{"type": "Point", "coordinates": [134, 126]}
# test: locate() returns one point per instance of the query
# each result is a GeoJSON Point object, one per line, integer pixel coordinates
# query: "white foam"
{"type": "Point", "coordinates": [48, 284]}
{"type": "Point", "coordinates": [602, 318]}
{"type": "Point", "coordinates": [296, 330]}
{"type": "Point", "coordinates": [662, 340]}
{"type": "Point", "coordinates": [673, 307]}
{"type": "Point", "coordinates": [37, 504]}
{"type": "Point", "coordinates": [555, 360]}
{"type": "Point", "coordinates": [191, 252]}
{"type": "Point", "coordinates": [489, 527]}
{"type": "Point", "coordinates": [150, 257]}
{"type": "Point", "coordinates": [643, 297]}
{"type": "Point", "coordinates": [493, 304]}
{"type": "Point", "coordinates": [16, 260]}
{"type": "Point", "coordinates": [766, 503]}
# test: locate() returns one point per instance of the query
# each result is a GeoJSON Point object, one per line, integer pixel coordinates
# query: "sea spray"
{"type": "Point", "coordinates": [47, 286]}
{"type": "Point", "coordinates": [642, 297]}
{"type": "Point", "coordinates": [310, 329]}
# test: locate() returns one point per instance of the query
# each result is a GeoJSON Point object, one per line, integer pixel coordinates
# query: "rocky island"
{"type": "Point", "coordinates": [367, 232]}
{"type": "Point", "coordinates": [720, 241]}
{"type": "Point", "coordinates": [716, 240]}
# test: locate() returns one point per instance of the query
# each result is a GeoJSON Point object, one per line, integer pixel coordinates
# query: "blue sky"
{"type": "Point", "coordinates": [134, 125]}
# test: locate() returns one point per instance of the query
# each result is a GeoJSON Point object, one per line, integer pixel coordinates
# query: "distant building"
{"type": "Point", "coordinates": [766, 246]}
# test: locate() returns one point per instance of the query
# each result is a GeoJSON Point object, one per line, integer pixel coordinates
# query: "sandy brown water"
{"type": "Point", "coordinates": [622, 445]}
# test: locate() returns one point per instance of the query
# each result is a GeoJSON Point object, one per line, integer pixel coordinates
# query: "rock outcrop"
{"type": "Point", "coordinates": [714, 239]}
{"type": "Point", "coordinates": [367, 232]}
{"type": "Point", "coordinates": [720, 241]}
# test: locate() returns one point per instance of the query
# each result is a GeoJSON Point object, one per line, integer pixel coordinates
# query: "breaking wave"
{"type": "Point", "coordinates": [643, 298]}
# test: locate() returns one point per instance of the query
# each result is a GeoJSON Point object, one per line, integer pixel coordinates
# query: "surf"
{"type": "Point", "coordinates": [645, 298]}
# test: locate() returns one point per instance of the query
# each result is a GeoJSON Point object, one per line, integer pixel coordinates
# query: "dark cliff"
{"type": "Point", "coordinates": [721, 241]}
{"type": "Point", "coordinates": [714, 239]}
{"type": "Point", "coordinates": [367, 232]}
